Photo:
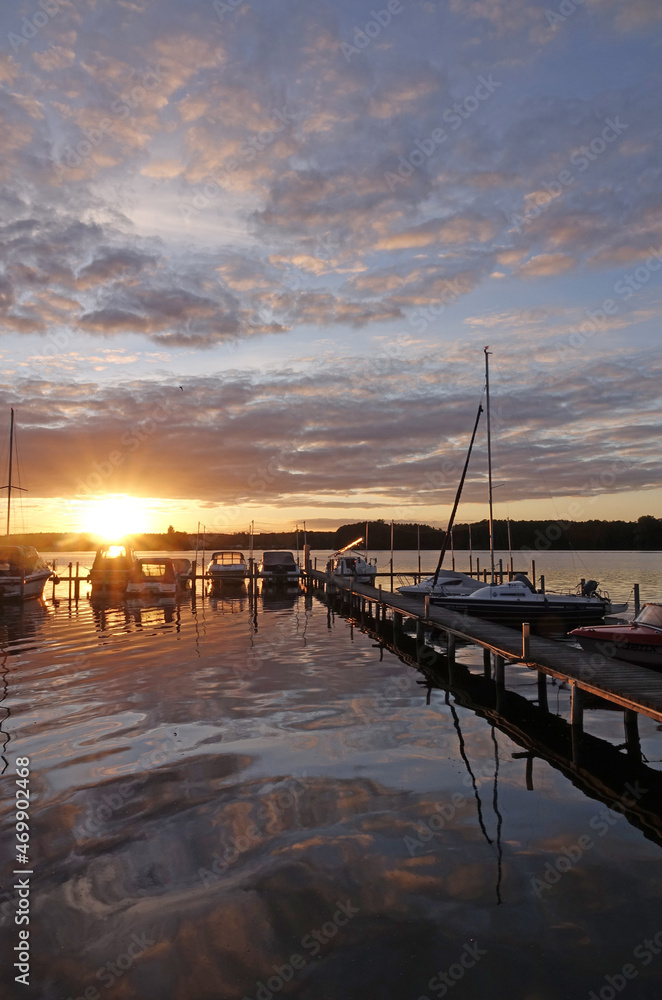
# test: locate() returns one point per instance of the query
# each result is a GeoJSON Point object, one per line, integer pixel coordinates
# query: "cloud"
{"type": "Point", "coordinates": [547, 265]}
{"type": "Point", "coordinates": [388, 422]}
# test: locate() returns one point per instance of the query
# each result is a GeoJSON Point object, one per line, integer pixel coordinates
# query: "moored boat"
{"type": "Point", "coordinates": [517, 601]}
{"type": "Point", "coordinates": [449, 583]}
{"type": "Point", "coordinates": [637, 641]}
{"type": "Point", "coordinates": [227, 566]}
{"type": "Point", "coordinates": [111, 569]}
{"type": "Point", "coordinates": [350, 562]}
{"type": "Point", "coordinates": [278, 566]}
{"type": "Point", "coordinates": [161, 577]}
{"type": "Point", "coordinates": [23, 573]}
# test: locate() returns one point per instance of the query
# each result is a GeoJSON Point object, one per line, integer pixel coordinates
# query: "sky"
{"type": "Point", "coordinates": [252, 253]}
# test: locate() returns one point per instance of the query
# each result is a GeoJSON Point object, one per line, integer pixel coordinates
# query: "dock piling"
{"type": "Point", "coordinates": [637, 600]}
{"type": "Point", "coordinates": [576, 706]}
{"type": "Point", "coordinates": [526, 641]}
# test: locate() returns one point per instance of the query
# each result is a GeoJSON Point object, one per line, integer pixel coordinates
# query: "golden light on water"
{"type": "Point", "coordinates": [115, 515]}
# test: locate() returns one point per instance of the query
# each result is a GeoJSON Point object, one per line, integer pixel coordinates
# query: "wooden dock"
{"type": "Point", "coordinates": [632, 688]}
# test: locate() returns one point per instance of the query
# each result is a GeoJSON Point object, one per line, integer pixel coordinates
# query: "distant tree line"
{"type": "Point", "coordinates": [642, 534]}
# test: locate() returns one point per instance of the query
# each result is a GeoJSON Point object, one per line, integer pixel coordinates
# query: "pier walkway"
{"type": "Point", "coordinates": [633, 688]}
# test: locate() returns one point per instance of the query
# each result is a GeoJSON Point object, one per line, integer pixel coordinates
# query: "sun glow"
{"type": "Point", "coordinates": [114, 516]}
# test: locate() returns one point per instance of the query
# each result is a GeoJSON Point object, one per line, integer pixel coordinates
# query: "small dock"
{"type": "Point", "coordinates": [637, 690]}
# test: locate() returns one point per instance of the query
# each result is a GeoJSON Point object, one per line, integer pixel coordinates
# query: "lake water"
{"type": "Point", "coordinates": [240, 799]}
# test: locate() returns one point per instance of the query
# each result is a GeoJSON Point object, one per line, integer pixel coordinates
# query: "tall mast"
{"type": "Point", "coordinates": [11, 449]}
{"type": "Point", "coordinates": [489, 456]}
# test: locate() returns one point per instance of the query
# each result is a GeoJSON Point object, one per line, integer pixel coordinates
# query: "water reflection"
{"type": "Point", "coordinates": [260, 779]}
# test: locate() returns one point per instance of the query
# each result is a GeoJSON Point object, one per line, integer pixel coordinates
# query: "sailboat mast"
{"type": "Point", "coordinates": [489, 456]}
{"type": "Point", "coordinates": [11, 449]}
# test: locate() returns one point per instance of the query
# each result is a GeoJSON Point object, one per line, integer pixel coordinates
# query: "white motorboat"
{"type": "Point", "coordinates": [23, 573]}
{"type": "Point", "coordinates": [279, 567]}
{"type": "Point", "coordinates": [349, 562]}
{"type": "Point", "coordinates": [227, 566]}
{"type": "Point", "coordinates": [517, 601]}
{"type": "Point", "coordinates": [159, 577]}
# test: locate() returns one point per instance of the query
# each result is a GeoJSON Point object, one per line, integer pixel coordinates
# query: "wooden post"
{"type": "Point", "coordinates": [477, 568]}
{"type": "Point", "coordinates": [487, 663]}
{"type": "Point", "coordinates": [542, 690]}
{"type": "Point", "coordinates": [500, 570]}
{"type": "Point", "coordinates": [71, 568]}
{"type": "Point", "coordinates": [484, 576]}
{"type": "Point", "coordinates": [541, 588]}
{"type": "Point", "coordinates": [500, 671]}
{"type": "Point", "coordinates": [637, 600]}
{"type": "Point", "coordinates": [194, 582]}
{"type": "Point", "coordinates": [77, 584]}
{"type": "Point", "coordinates": [526, 641]}
{"type": "Point", "coordinates": [631, 723]}
{"type": "Point", "coordinates": [576, 707]}
{"type": "Point", "coordinates": [54, 565]}
{"type": "Point", "coordinates": [533, 573]}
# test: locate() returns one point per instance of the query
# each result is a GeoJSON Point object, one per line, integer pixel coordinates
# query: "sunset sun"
{"type": "Point", "coordinates": [114, 516]}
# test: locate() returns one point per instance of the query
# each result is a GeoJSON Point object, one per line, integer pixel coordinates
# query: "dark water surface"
{"type": "Point", "coordinates": [240, 800]}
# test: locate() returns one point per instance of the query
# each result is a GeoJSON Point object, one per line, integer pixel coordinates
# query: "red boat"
{"type": "Point", "coordinates": [638, 641]}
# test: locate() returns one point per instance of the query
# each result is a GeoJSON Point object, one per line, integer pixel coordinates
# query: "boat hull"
{"type": "Point", "coordinates": [16, 588]}
{"type": "Point", "coordinates": [551, 614]}
{"type": "Point", "coordinates": [631, 643]}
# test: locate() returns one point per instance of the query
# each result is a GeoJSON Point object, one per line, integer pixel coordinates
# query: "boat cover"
{"type": "Point", "coordinates": [20, 559]}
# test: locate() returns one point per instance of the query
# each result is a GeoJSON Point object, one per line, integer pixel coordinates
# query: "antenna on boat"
{"type": "Point", "coordinates": [489, 455]}
{"type": "Point", "coordinates": [8, 487]}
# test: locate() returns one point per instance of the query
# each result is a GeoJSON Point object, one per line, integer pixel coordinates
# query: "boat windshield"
{"type": "Point", "coordinates": [274, 558]}
{"type": "Point", "coordinates": [228, 559]}
{"type": "Point", "coordinates": [650, 614]}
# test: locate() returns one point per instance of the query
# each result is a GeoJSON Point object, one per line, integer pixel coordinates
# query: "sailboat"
{"type": "Point", "coordinates": [517, 600]}
{"type": "Point", "coordinates": [23, 573]}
